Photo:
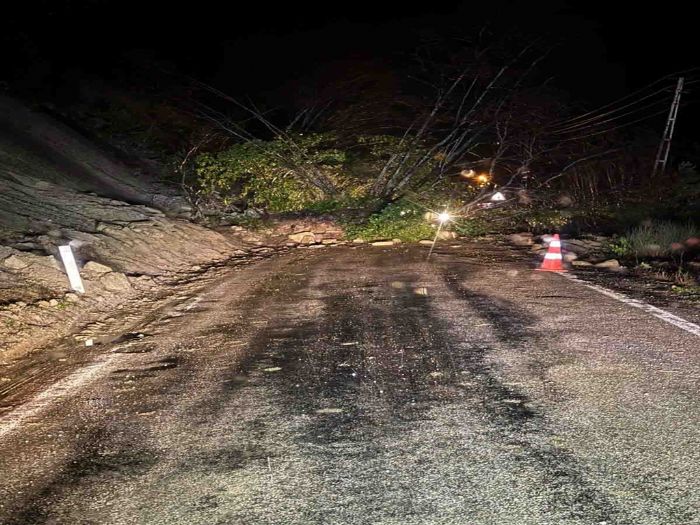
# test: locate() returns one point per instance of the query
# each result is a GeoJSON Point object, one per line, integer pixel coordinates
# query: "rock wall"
{"type": "Point", "coordinates": [56, 189]}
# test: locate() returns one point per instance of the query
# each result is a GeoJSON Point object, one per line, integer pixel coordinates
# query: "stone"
{"type": "Point", "coordinates": [115, 282]}
{"type": "Point", "coordinates": [43, 304]}
{"type": "Point", "coordinates": [581, 263]}
{"type": "Point", "coordinates": [53, 302]}
{"type": "Point", "coordinates": [611, 264]}
{"type": "Point", "coordinates": [520, 239]}
{"type": "Point", "coordinates": [383, 243]}
{"type": "Point", "coordinates": [396, 241]}
{"type": "Point", "coordinates": [358, 241]}
{"type": "Point", "coordinates": [426, 242]}
{"type": "Point", "coordinates": [72, 297]}
{"type": "Point", "coordinates": [14, 262]}
{"type": "Point", "coordinates": [569, 257]}
{"type": "Point", "coordinates": [329, 241]}
{"type": "Point", "coordinates": [306, 237]}
{"type": "Point", "coordinates": [95, 268]}
{"type": "Point", "coordinates": [445, 235]}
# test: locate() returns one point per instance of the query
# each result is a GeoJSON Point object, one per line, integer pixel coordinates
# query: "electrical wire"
{"type": "Point", "coordinates": [663, 111]}
{"type": "Point", "coordinates": [630, 95]}
{"type": "Point", "coordinates": [596, 120]}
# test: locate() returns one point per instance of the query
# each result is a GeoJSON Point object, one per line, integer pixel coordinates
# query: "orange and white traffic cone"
{"type": "Point", "coordinates": [552, 259]}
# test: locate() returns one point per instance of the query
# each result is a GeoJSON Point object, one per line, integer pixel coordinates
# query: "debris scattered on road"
{"type": "Point", "coordinates": [89, 342]}
{"type": "Point", "coordinates": [272, 369]}
{"type": "Point", "coordinates": [349, 343]}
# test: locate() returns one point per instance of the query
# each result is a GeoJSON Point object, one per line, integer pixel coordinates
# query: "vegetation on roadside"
{"type": "Point", "coordinates": [400, 220]}
{"type": "Point", "coordinates": [657, 240]}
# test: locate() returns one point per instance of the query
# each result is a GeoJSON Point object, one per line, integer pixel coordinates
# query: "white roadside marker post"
{"type": "Point", "coordinates": [76, 283]}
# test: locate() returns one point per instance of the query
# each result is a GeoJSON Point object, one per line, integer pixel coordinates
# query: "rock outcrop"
{"type": "Point", "coordinates": [56, 189]}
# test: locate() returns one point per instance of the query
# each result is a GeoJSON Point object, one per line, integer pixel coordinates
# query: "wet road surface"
{"type": "Point", "coordinates": [368, 386]}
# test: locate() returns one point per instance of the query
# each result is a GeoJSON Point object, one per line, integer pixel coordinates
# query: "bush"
{"type": "Point", "coordinates": [270, 174]}
{"type": "Point", "coordinates": [662, 239]}
{"type": "Point", "coordinates": [546, 221]}
{"type": "Point", "coordinates": [401, 220]}
{"type": "Point", "coordinates": [473, 227]}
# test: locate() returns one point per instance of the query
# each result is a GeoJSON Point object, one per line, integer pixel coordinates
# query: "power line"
{"type": "Point", "coordinates": [615, 127]}
{"type": "Point", "coordinates": [584, 123]}
{"type": "Point", "coordinates": [630, 95]}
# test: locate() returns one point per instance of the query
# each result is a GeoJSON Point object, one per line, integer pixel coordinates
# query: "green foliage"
{"type": "Point", "coordinates": [545, 220]}
{"type": "Point", "coordinates": [343, 202]}
{"type": "Point", "coordinates": [690, 292]}
{"type": "Point", "coordinates": [621, 247]}
{"type": "Point", "coordinates": [473, 227]}
{"type": "Point", "coordinates": [272, 174]}
{"type": "Point", "coordinates": [400, 220]}
{"type": "Point", "coordinates": [396, 154]}
{"type": "Point", "coordinates": [661, 239]}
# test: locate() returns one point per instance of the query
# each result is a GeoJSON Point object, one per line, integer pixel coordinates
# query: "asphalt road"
{"type": "Point", "coordinates": [368, 386]}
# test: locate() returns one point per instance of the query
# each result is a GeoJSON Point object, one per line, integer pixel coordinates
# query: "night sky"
{"type": "Point", "coordinates": [602, 49]}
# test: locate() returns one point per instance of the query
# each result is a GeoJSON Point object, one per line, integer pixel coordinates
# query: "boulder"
{"type": "Point", "coordinates": [306, 237]}
{"type": "Point", "coordinates": [15, 262]}
{"type": "Point", "coordinates": [520, 239]}
{"type": "Point", "coordinates": [95, 268]}
{"type": "Point", "coordinates": [445, 235]}
{"type": "Point", "coordinates": [611, 264]}
{"type": "Point", "coordinates": [115, 282]}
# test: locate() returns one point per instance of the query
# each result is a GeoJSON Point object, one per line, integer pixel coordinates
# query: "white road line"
{"type": "Point", "coordinates": [11, 421]}
{"type": "Point", "coordinates": [653, 310]}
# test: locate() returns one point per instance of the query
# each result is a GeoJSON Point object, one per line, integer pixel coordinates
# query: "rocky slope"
{"type": "Point", "coordinates": [56, 188]}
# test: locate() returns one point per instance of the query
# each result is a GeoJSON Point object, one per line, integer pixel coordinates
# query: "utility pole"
{"type": "Point", "coordinates": [665, 145]}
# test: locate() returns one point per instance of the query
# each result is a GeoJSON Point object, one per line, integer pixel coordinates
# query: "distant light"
{"type": "Point", "coordinates": [498, 197]}
{"type": "Point", "coordinates": [444, 217]}
{"type": "Point", "coordinates": [483, 178]}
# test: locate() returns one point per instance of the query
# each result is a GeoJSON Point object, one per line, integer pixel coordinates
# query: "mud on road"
{"type": "Point", "coordinates": [367, 385]}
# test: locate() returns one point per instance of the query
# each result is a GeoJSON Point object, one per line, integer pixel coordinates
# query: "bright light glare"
{"type": "Point", "coordinates": [444, 216]}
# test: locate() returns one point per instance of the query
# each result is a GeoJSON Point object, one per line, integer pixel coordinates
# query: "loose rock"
{"type": "Point", "coordinates": [610, 264]}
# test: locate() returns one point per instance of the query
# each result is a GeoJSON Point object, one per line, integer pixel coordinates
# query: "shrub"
{"type": "Point", "coordinates": [400, 220]}
{"type": "Point", "coordinates": [271, 174]}
{"type": "Point", "coordinates": [662, 239]}
{"type": "Point", "coordinates": [473, 227]}
{"type": "Point", "coordinates": [545, 221]}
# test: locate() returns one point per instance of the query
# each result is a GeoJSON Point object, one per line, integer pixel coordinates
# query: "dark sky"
{"type": "Point", "coordinates": [605, 49]}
